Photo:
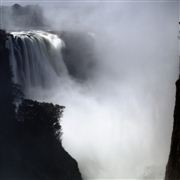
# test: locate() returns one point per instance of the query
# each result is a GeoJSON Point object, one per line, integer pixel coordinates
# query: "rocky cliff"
{"type": "Point", "coordinates": [30, 132]}
{"type": "Point", "coordinates": [173, 166]}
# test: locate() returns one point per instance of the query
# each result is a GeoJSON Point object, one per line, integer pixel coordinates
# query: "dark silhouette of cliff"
{"type": "Point", "coordinates": [30, 146]}
{"type": "Point", "coordinates": [7, 113]}
{"type": "Point", "coordinates": [43, 156]}
{"type": "Point", "coordinates": [173, 166]}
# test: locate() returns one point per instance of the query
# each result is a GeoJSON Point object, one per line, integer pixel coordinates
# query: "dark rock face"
{"type": "Point", "coordinates": [173, 166]}
{"type": "Point", "coordinates": [30, 148]}
{"type": "Point", "coordinates": [43, 156]}
{"type": "Point", "coordinates": [7, 114]}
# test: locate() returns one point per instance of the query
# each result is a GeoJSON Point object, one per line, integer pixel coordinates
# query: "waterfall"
{"type": "Point", "coordinates": [36, 58]}
{"type": "Point", "coordinates": [116, 124]}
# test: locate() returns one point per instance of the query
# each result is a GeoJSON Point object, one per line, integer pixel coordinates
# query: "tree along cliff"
{"type": "Point", "coordinates": [30, 145]}
{"type": "Point", "coordinates": [173, 165]}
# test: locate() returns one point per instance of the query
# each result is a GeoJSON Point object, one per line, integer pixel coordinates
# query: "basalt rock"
{"type": "Point", "coordinates": [42, 154]}
{"type": "Point", "coordinates": [30, 133]}
{"type": "Point", "coordinates": [173, 166]}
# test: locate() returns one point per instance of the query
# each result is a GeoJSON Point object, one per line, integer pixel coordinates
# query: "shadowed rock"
{"type": "Point", "coordinates": [173, 166]}
{"type": "Point", "coordinates": [43, 156]}
{"type": "Point", "coordinates": [30, 145]}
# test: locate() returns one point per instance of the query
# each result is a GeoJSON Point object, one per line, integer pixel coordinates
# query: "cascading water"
{"type": "Point", "coordinates": [36, 58]}
{"type": "Point", "coordinates": [112, 126]}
